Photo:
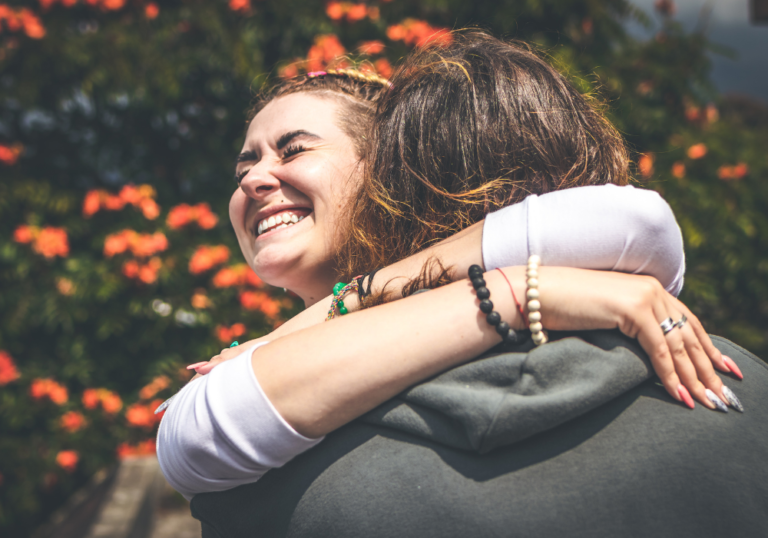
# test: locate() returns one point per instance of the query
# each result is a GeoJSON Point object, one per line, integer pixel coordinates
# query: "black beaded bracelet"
{"type": "Point", "coordinates": [507, 333]}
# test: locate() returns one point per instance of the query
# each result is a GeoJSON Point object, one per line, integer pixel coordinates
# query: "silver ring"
{"type": "Point", "coordinates": [667, 326]}
{"type": "Point", "coordinates": [681, 323]}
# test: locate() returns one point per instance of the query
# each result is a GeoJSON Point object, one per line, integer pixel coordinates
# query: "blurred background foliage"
{"type": "Point", "coordinates": [119, 124]}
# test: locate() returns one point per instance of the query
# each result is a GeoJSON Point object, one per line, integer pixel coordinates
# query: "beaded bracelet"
{"type": "Point", "coordinates": [538, 335]}
{"type": "Point", "coordinates": [507, 333]}
{"type": "Point", "coordinates": [340, 290]}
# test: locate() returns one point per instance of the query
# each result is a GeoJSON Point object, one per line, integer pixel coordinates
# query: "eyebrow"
{"type": "Point", "coordinates": [289, 136]}
{"type": "Point", "coordinates": [284, 140]}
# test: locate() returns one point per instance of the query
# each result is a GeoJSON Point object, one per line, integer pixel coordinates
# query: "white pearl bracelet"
{"type": "Point", "coordinates": [538, 335]}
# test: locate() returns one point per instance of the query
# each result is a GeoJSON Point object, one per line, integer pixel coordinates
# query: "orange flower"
{"type": "Point", "coordinates": [334, 10]}
{"type": "Point", "coordinates": [678, 170]}
{"type": "Point", "coordinates": [72, 421]}
{"type": "Point", "coordinates": [270, 307]}
{"type": "Point", "coordinates": [10, 154]}
{"type": "Point", "coordinates": [67, 460]}
{"type": "Point", "coordinates": [356, 12]}
{"type": "Point", "coordinates": [117, 243]}
{"type": "Point", "coordinates": [146, 245]}
{"type": "Point", "coordinates": [740, 170]}
{"type": "Point", "coordinates": [151, 11]}
{"type": "Point", "coordinates": [697, 151]}
{"type": "Point", "coordinates": [252, 278]}
{"type": "Point", "coordinates": [110, 401]}
{"type": "Point", "coordinates": [383, 67]}
{"type": "Point", "coordinates": [371, 47]}
{"type": "Point", "coordinates": [25, 234]}
{"type": "Point", "coordinates": [42, 388]}
{"type": "Point", "coordinates": [179, 216]}
{"type": "Point", "coordinates": [184, 214]}
{"type": "Point", "coordinates": [91, 203]}
{"type": "Point", "coordinates": [112, 5]}
{"type": "Point", "coordinates": [645, 165]}
{"type": "Point", "coordinates": [251, 300]}
{"type": "Point", "coordinates": [8, 371]}
{"type": "Point", "coordinates": [289, 71]}
{"type": "Point", "coordinates": [419, 33]}
{"type": "Point", "coordinates": [113, 203]}
{"type": "Point", "coordinates": [149, 209]}
{"type": "Point", "coordinates": [144, 448]}
{"type": "Point", "coordinates": [325, 49]}
{"type": "Point", "coordinates": [159, 383]}
{"type": "Point", "coordinates": [207, 257]}
{"type": "Point", "coordinates": [143, 416]}
{"type": "Point", "coordinates": [32, 25]}
{"type": "Point", "coordinates": [725, 172]}
{"type": "Point", "coordinates": [141, 245]}
{"type": "Point", "coordinates": [239, 5]}
{"type": "Point", "coordinates": [91, 398]}
{"type": "Point", "coordinates": [52, 242]}
{"type": "Point", "coordinates": [131, 269]}
{"type": "Point", "coordinates": [148, 272]}
{"type": "Point", "coordinates": [692, 113]}
{"type": "Point", "coordinates": [205, 218]}
{"type": "Point", "coordinates": [130, 194]}
{"type": "Point", "coordinates": [226, 335]}
{"type": "Point", "coordinates": [226, 278]}
{"type": "Point", "coordinates": [373, 13]}
{"type": "Point", "coordinates": [58, 394]}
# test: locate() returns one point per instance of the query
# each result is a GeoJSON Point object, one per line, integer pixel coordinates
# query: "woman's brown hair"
{"type": "Point", "coordinates": [356, 91]}
{"type": "Point", "coordinates": [468, 128]}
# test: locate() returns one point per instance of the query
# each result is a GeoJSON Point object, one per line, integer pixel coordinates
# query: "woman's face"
{"type": "Point", "coordinates": [296, 171]}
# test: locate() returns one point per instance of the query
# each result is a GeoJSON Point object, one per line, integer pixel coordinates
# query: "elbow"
{"type": "Point", "coordinates": [655, 222]}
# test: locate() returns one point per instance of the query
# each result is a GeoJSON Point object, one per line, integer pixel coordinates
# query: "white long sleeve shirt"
{"type": "Point", "coordinates": [221, 430]}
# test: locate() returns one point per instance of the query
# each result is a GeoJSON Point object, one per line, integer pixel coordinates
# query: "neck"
{"type": "Point", "coordinates": [316, 291]}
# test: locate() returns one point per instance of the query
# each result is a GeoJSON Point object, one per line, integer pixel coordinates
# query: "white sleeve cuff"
{"type": "Point", "coordinates": [221, 431]}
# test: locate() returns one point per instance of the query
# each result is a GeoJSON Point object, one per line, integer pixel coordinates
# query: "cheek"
{"type": "Point", "coordinates": [238, 204]}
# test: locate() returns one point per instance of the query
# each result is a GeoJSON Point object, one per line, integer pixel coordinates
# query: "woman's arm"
{"type": "Point", "coordinates": [603, 227]}
{"type": "Point", "coordinates": [317, 379]}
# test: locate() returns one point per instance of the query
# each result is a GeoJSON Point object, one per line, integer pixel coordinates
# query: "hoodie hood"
{"type": "Point", "coordinates": [506, 396]}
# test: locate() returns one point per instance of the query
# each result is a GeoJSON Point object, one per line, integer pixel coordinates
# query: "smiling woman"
{"type": "Point", "coordinates": [296, 170]}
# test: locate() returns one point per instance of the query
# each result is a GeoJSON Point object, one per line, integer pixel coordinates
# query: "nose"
{"type": "Point", "coordinates": [259, 182]}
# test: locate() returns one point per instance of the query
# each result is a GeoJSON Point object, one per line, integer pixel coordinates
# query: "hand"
{"type": "Point", "coordinates": [684, 359]}
{"type": "Point", "coordinates": [205, 367]}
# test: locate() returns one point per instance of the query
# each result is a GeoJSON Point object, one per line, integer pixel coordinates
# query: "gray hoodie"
{"type": "Point", "coordinates": [571, 439]}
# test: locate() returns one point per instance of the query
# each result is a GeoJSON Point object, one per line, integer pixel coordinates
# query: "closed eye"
{"type": "Point", "coordinates": [293, 149]}
{"type": "Point", "coordinates": [239, 176]}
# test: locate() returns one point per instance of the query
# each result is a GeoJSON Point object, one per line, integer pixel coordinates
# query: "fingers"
{"type": "Point", "coordinates": [655, 344]}
{"type": "Point", "coordinates": [203, 368]}
{"type": "Point", "coordinates": [685, 368]}
{"type": "Point", "coordinates": [701, 335]}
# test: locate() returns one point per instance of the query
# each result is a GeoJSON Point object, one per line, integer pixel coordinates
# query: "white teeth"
{"type": "Point", "coordinates": [278, 222]}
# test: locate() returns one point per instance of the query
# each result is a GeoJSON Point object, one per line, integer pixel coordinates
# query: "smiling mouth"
{"type": "Point", "coordinates": [280, 220]}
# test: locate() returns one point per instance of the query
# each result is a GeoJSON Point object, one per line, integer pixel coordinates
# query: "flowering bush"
{"type": "Point", "coordinates": [115, 268]}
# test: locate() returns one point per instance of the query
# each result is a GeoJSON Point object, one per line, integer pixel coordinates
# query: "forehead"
{"type": "Point", "coordinates": [298, 111]}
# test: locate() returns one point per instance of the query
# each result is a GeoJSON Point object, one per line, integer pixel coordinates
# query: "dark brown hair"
{"type": "Point", "coordinates": [468, 128]}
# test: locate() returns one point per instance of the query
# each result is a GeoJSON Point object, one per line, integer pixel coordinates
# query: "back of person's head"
{"type": "Point", "coordinates": [466, 129]}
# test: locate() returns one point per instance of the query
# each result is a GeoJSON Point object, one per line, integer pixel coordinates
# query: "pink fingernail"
{"type": "Point", "coordinates": [732, 367]}
{"type": "Point", "coordinates": [685, 395]}
{"type": "Point", "coordinates": [196, 365]}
